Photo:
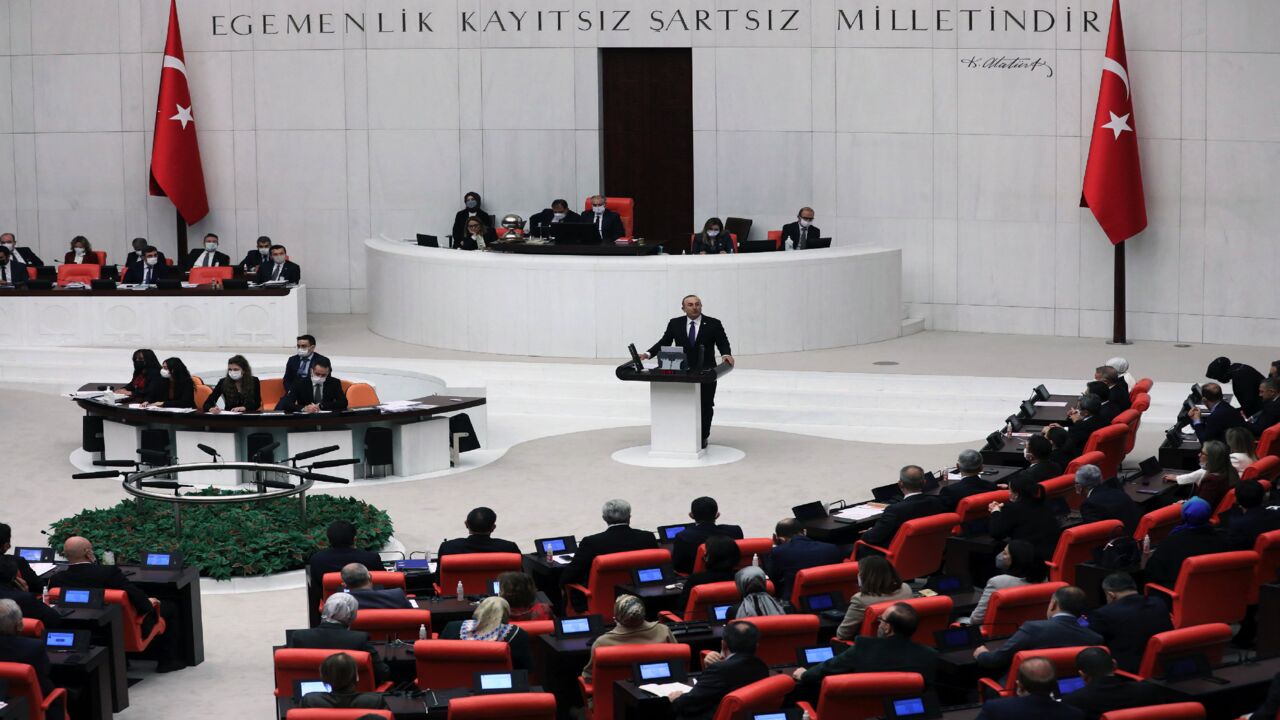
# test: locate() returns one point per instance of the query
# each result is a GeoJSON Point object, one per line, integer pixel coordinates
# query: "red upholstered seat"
{"type": "Point", "coordinates": [1077, 544]}
{"type": "Point", "coordinates": [763, 696]}
{"type": "Point", "coordinates": [704, 597]}
{"type": "Point", "coordinates": [782, 635]}
{"type": "Point", "coordinates": [335, 714]}
{"type": "Point", "coordinates": [1089, 458]}
{"type": "Point", "coordinates": [776, 237]}
{"type": "Point", "coordinates": [1211, 588]}
{"type": "Point", "coordinates": [22, 682]}
{"type": "Point", "coordinates": [134, 639]}
{"type": "Point", "coordinates": [860, 696]}
{"type": "Point", "coordinates": [839, 578]}
{"type": "Point", "coordinates": [331, 583]}
{"type": "Point", "coordinates": [1172, 711]}
{"type": "Point", "coordinates": [515, 706]}
{"type": "Point", "coordinates": [1132, 420]}
{"type": "Point", "coordinates": [1141, 402]}
{"type": "Point", "coordinates": [32, 628]}
{"type": "Point", "coordinates": [1210, 640]}
{"type": "Point", "coordinates": [1064, 665]}
{"type": "Point", "coordinates": [395, 624]}
{"type": "Point", "coordinates": [614, 663]}
{"type": "Point", "coordinates": [1265, 468]}
{"type": "Point", "coordinates": [1063, 487]}
{"type": "Point", "coordinates": [454, 663]}
{"type": "Point", "coordinates": [1142, 386]}
{"type": "Point", "coordinates": [1010, 607]}
{"type": "Point", "coordinates": [68, 274]}
{"type": "Point", "coordinates": [608, 571]}
{"type": "Point", "coordinates": [747, 547]}
{"type": "Point", "coordinates": [293, 664]}
{"type": "Point", "coordinates": [1268, 548]}
{"type": "Point", "coordinates": [475, 570]}
{"type": "Point", "coordinates": [1110, 441]}
{"type": "Point", "coordinates": [206, 275]}
{"type": "Point", "coordinates": [1158, 523]}
{"type": "Point", "coordinates": [916, 549]}
{"type": "Point", "coordinates": [934, 612]}
{"type": "Point", "coordinates": [1269, 442]}
{"type": "Point", "coordinates": [625, 207]}
{"type": "Point", "coordinates": [977, 507]}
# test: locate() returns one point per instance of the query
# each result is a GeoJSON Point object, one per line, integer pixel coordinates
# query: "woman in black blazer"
{"type": "Point", "coordinates": [81, 252]}
{"type": "Point", "coordinates": [146, 384]}
{"type": "Point", "coordinates": [474, 209]}
{"type": "Point", "coordinates": [1026, 517]}
{"type": "Point", "coordinates": [179, 389]}
{"type": "Point", "coordinates": [713, 240]}
{"type": "Point", "coordinates": [477, 236]}
{"type": "Point", "coordinates": [239, 389]}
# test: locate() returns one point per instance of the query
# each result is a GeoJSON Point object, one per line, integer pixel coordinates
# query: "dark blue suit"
{"type": "Point", "coordinates": [684, 546]}
{"type": "Point", "coordinates": [386, 599]}
{"type": "Point", "coordinates": [1127, 624]}
{"type": "Point", "coordinates": [1214, 424]}
{"type": "Point", "coordinates": [292, 371]}
{"type": "Point", "coordinates": [27, 651]}
{"type": "Point", "coordinates": [795, 555]}
{"type": "Point", "coordinates": [1040, 707]}
{"type": "Point", "coordinates": [1108, 502]}
{"type": "Point", "coordinates": [1058, 631]}
{"type": "Point", "coordinates": [952, 493]}
{"type": "Point", "coordinates": [15, 272]}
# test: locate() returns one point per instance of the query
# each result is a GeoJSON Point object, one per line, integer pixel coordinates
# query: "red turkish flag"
{"type": "Point", "coordinates": [175, 154]}
{"type": "Point", "coordinates": [1113, 175]}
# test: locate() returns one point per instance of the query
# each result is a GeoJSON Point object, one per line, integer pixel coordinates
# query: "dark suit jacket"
{"type": "Point", "coordinates": [1108, 502]}
{"type": "Point", "coordinates": [791, 231]}
{"type": "Point", "coordinates": [31, 606]}
{"type": "Point", "coordinates": [182, 396]}
{"type": "Point", "coordinates": [796, 554]}
{"type": "Point", "coordinates": [1021, 707]}
{"type": "Point", "coordinates": [136, 273]}
{"type": "Point", "coordinates": [1030, 521]}
{"type": "Point", "coordinates": [1270, 707]}
{"type": "Point", "coordinates": [684, 546]}
{"type": "Point", "coordinates": [135, 258]}
{"type": "Point", "coordinates": [701, 578]}
{"type": "Point", "coordinates": [711, 337]}
{"type": "Point", "coordinates": [1166, 560]}
{"type": "Point", "coordinates": [541, 221]}
{"type": "Point", "coordinates": [460, 223]}
{"type": "Point", "coordinates": [1214, 424]}
{"type": "Point", "coordinates": [877, 654]}
{"type": "Point", "coordinates": [333, 636]}
{"type": "Point", "coordinates": [27, 651]}
{"type": "Point", "coordinates": [466, 242]}
{"type": "Point", "coordinates": [1047, 469]}
{"type": "Point", "coordinates": [618, 538]}
{"type": "Point", "coordinates": [153, 389]}
{"type": "Point", "coordinates": [476, 544]}
{"type": "Point", "coordinates": [28, 257]}
{"type": "Point", "coordinates": [1244, 527]}
{"type": "Point", "coordinates": [385, 599]}
{"type": "Point", "coordinates": [17, 272]}
{"type": "Point", "coordinates": [1119, 396]}
{"type": "Point", "coordinates": [1114, 693]}
{"type": "Point", "coordinates": [248, 395]}
{"type": "Point", "coordinates": [365, 700]}
{"type": "Point", "coordinates": [1267, 414]}
{"type": "Point", "coordinates": [1056, 632]}
{"type": "Point", "coordinates": [90, 258]}
{"type": "Point", "coordinates": [715, 682]}
{"type": "Point", "coordinates": [302, 395]}
{"type": "Point", "coordinates": [1078, 434]}
{"type": "Point", "coordinates": [612, 225]}
{"type": "Point", "coordinates": [330, 560]}
{"type": "Point", "coordinates": [291, 367]}
{"type": "Point", "coordinates": [909, 508]}
{"type": "Point", "coordinates": [290, 273]}
{"type": "Point", "coordinates": [252, 260]}
{"type": "Point", "coordinates": [952, 493]}
{"type": "Point", "coordinates": [1245, 380]}
{"type": "Point", "coordinates": [109, 577]}
{"type": "Point", "coordinates": [1127, 624]}
{"type": "Point", "coordinates": [220, 259]}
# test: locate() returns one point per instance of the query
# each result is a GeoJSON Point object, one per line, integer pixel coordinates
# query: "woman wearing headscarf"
{"type": "Point", "coordinates": [1195, 536]}
{"type": "Point", "coordinates": [489, 622]}
{"type": "Point", "coordinates": [1122, 366]}
{"type": "Point", "coordinates": [632, 629]}
{"type": "Point", "coordinates": [474, 208]}
{"type": "Point", "coordinates": [1216, 474]}
{"type": "Point", "coordinates": [753, 586]}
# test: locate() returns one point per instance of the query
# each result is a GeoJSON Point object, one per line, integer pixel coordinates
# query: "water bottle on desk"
{"type": "Point", "coordinates": [108, 557]}
{"type": "Point", "coordinates": [422, 631]}
{"type": "Point", "coordinates": [461, 596]}
{"type": "Point", "coordinates": [755, 560]}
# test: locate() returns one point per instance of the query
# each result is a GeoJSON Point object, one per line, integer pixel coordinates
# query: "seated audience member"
{"type": "Point", "coordinates": [1128, 620]}
{"type": "Point", "coordinates": [146, 385]}
{"type": "Point", "coordinates": [1268, 412]}
{"type": "Point", "coordinates": [480, 524]}
{"type": "Point", "coordinates": [278, 268]}
{"type": "Point", "coordinates": [1117, 390]}
{"type": "Point", "coordinates": [148, 270]}
{"type": "Point", "coordinates": [1060, 440]}
{"type": "Point", "coordinates": [914, 504]}
{"type": "Point", "coordinates": [608, 223]}
{"type": "Point", "coordinates": [26, 579]}
{"type": "Point", "coordinates": [619, 536]}
{"type": "Point", "coordinates": [559, 212]}
{"type": "Point", "coordinates": [1082, 421]}
{"type": "Point", "coordinates": [721, 558]}
{"type": "Point", "coordinates": [24, 650]}
{"type": "Point", "coordinates": [1243, 447]}
{"type": "Point", "coordinates": [139, 253]}
{"type": "Point", "coordinates": [794, 551]}
{"type": "Point", "coordinates": [631, 629]}
{"type": "Point", "coordinates": [1122, 366]}
{"type": "Point", "coordinates": [239, 389]}
{"type": "Point", "coordinates": [490, 621]}
{"type": "Point", "coordinates": [1216, 474]}
{"type": "Point", "coordinates": [1105, 501]}
{"type": "Point", "coordinates": [1213, 424]}
{"type": "Point", "coordinates": [1195, 536]}
{"type": "Point", "coordinates": [1036, 684]}
{"type": "Point", "coordinates": [299, 366]}
{"type": "Point", "coordinates": [1061, 628]}
{"type": "Point", "coordinates": [1026, 517]}
{"type": "Point", "coordinates": [1270, 707]}
{"type": "Point", "coordinates": [1041, 464]}
{"type": "Point", "coordinates": [891, 650]}
{"type": "Point", "coordinates": [1019, 565]}
{"type": "Point", "coordinates": [521, 594]}
{"type": "Point", "coordinates": [12, 270]}
{"type": "Point", "coordinates": [207, 256]}
{"type": "Point", "coordinates": [341, 552]}
{"type": "Point", "coordinates": [970, 483]}
{"type": "Point", "coordinates": [8, 240]}
{"type": "Point", "coordinates": [81, 252]}
{"type": "Point", "coordinates": [13, 587]}
{"type": "Point", "coordinates": [257, 256]}
{"type": "Point", "coordinates": [341, 673]}
{"type": "Point", "coordinates": [1249, 518]}
{"type": "Point", "coordinates": [334, 632]}
{"type": "Point", "coordinates": [877, 582]}
{"type": "Point", "coordinates": [1104, 692]}
{"type": "Point", "coordinates": [83, 571]}
{"type": "Point", "coordinates": [359, 584]}
{"type": "Point", "coordinates": [1244, 381]}
{"type": "Point", "coordinates": [753, 588]}
{"type": "Point", "coordinates": [178, 388]}
{"type": "Point", "coordinates": [1099, 389]}
{"type": "Point", "coordinates": [735, 666]}
{"type": "Point", "coordinates": [478, 236]}
{"type": "Point", "coordinates": [322, 391]}
{"type": "Point", "coordinates": [713, 240]}
{"type": "Point", "coordinates": [473, 209]}
{"type": "Point", "coordinates": [704, 512]}
{"type": "Point", "coordinates": [796, 235]}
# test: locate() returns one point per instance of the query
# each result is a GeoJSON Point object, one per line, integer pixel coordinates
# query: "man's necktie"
{"type": "Point", "coordinates": [600, 225]}
{"type": "Point", "coordinates": [275, 273]}
{"type": "Point", "coordinates": [146, 276]}
{"type": "Point", "coordinates": [4, 273]}
{"type": "Point", "coordinates": [693, 333]}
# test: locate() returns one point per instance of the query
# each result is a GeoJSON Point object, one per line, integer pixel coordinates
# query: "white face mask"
{"type": "Point", "coordinates": [235, 374]}
{"type": "Point", "coordinates": [472, 204]}
{"type": "Point", "coordinates": [152, 260]}
{"type": "Point", "coordinates": [557, 217]}
{"type": "Point", "coordinates": [713, 233]}
{"type": "Point", "coordinates": [164, 373]}
{"type": "Point", "coordinates": [317, 380]}
{"type": "Point", "coordinates": [303, 352]}
{"type": "Point", "coordinates": [805, 223]}
{"type": "Point", "coordinates": [79, 251]}
{"type": "Point", "coordinates": [211, 246]}
{"type": "Point", "coordinates": [597, 209]}
{"type": "Point", "coordinates": [10, 246]}
{"type": "Point", "coordinates": [265, 250]}
{"type": "Point", "coordinates": [279, 260]}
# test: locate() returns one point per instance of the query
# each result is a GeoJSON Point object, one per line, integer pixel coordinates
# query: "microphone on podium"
{"type": "Point", "coordinates": [208, 450]}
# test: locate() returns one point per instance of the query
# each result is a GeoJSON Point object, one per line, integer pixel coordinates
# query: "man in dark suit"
{"type": "Point", "coordinates": [1128, 620]}
{"type": "Point", "coordinates": [258, 255]}
{"type": "Point", "coordinates": [1105, 500]}
{"type": "Point", "coordinates": [27, 578]}
{"type": "Point", "coordinates": [607, 222]}
{"type": "Point", "coordinates": [699, 336]}
{"type": "Point", "coordinates": [914, 504]}
{"type": "Point", "coordinates": [359, 585]}
{"type": "Point", "coordinates": [147, 272]}
{"type": "Point", "coordinates": [1040, 463]}
{"type": "Point", "coordinates": [24, 650]}
{"type": "Point", "coordinates": [341, 552]}
{"type": "Point", "coordinates": [322, 391]}
{"type": "Point", "coordinates": [1249, 518]}
{"type": "Point", "coordinates": [796, 235]}
{"type": "Point", "coordinates": [1036, 685]}
{"type": "Point", "coordinates": [1117, 390]}
{"type": "Point", "coordinates": [794, 551]}
{"type": "Point", "coordinates": [208, 256]}
{"type": "Point", "coordinates": [139, 253]}
{"type": "Point", "coordinates": [969, 463]}
{"type": "Point", "coordinates": [540, 223]}
{"type": "Point", "coordinates": [735, 666]}
{"type": "Point", "coordinates": [1104, 692]}
{"type": "Point", "coordinates": [1268, 412]}
{"type": "Point", "coordinates": [334, 632]}
{"type": "Point", "coordinates": [1082, 422]}
{"type": "Point", "coordinates": [480, 523]}
{"type": "Point", "coordinates": [279, 268]}
{"type": "Point", "coordinates": [1221, 417]}
{"type": "Point", "coordinates": [22, 253]}
{"type": "Point", "coordinates": [891, 650]}
{"type": "Point", "coordinates": [1099, 389]}
{"type": "Point", "coordinates": [1244, 381]}
{"type": "Point", "coordinates": [1061, 628]}
{"type": "Point", "coordinates": [618, 537]}
{"type": "Point", "coordinates": [12, 271]}
{"type": "Point", "coordinates": [299, 366]}
{"type": "Point", "coordinates": [704, 512]}
{"type": "Point", "coordinates": [28, 603]}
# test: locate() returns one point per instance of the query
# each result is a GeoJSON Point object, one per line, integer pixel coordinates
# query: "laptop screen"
{"type": "Point", "coordinates": [655, 671]}
{"type": "Point", "coordinates": [720, 612]}
{"type": "Point", "coordinates": [60, 639]}
{"type": "Point", "coordinates": [810, 511]}
{"type": "Point", "coordinates": [671, 531]}
{"type": "Point", "coordinates": [908, 706]}
{"type": "Point", "coordinates": [312, 686]}
{"type": "Point", "coordinates": [495, 681]}
{"type": "Point", "coordinates": [76, 596]}
{"type": "Point", "coordinates": [1070, 685]}
{"type": "Point", "coordinates": [158, 559]}
{"type": "Point", "coordinates": [30, 554]}
{"type": "Point", "coordinates": [649, 575]}
{"type": "Point", "coordinates": [956, 638]}
{"type": "Point", "coordinates": [820, 602]}
{"type": "Point", "coordinates": [815, 655]}
{"type": "Point", "coordinates": [554, 545]}
{"type": "Point", "coordinates": [573, 626]}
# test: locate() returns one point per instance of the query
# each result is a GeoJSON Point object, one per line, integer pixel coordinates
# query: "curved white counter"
{"type": "Point", "coordinates": [592, 307]}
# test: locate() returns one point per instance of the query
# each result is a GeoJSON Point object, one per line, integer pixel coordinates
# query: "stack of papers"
{"type": "Point", "coordinates": [1047, 403]}
{"type": "Point", "coordinates": [562, 559]}
{"type": "Point", "coordinates": [860, 512]}
{"type": "Point", "coordinates": [394, 406]}
{"type": "Point", "coordinates": [172, 410]}
{"type": "Point", "coordinates": [665, 689]}
{"type": "Point", "coordinates": [42, 568]}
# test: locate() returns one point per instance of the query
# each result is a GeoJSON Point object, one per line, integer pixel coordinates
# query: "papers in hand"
{"type": "Point", "coordinates": [1050, 403]}
{"type": "Point", "coordinates": [860, 512]}
{"type": "Point", "coordinates": [665, 689]}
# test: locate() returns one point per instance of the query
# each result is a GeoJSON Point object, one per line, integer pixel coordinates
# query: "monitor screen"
{"type": "Point", "coordinates": [575, 625]}
{"type": "Point", "coordinates": [553, 546]}
{"type": "Point", "coordinates": [770, 716]}
{"type": "Point", "coordinates": [495, 588]}
{"type": "Point", "coordinates": [60, 639]}
{"type": "Point", "coordinates": [821, 602]}
{"type": "Point", "coordinates": [909, 706]}
{"type": "Point", "coordinates": [721, 612]}
{"type": "Point", "coordinates": [649, 575]}
{"type": "Point", "coordinates": [310, 686]}
{"type": "Point", "coordinates": [495, 681]}
{"type": "Point", "coordinates": [76, 596]}
{"type": "Point", "coordinates": [673, 531]}
{"type": "Point", "coordinates": [818, 654]}
{"type": "Point", "coordinates": [1070, 685]}
{"type": "Point", "coordinates": [157, 558]}
{"type": "Point", "coordinates": [947, 582]}
{"type": "Point", "coordinates": [956, 638]}
{"type": "Point", "coordinates": [655, 671]}
{"type": "Point", "coordinates": [30, 554]}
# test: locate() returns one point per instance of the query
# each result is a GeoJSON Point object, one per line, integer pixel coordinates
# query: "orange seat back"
{"type": "Point", "coordinates": [934, 612]}
{"type": "Point", "coordinates": [1131, 419]}
{"type": "Point", "coordinates": [392, 624]}
{"type": "Point", "coordinates": [202, 394]}
{"type": "Point", "coordinates": [625, 207]}
{"type": "Point", "coordinates": [776, 237]}
{"type": "Point", "coordinates": [1141, 402]}
{"type": "Point", "coordinates": [331, 583]}
{"type": "Point", "coordinates": [1088, 458]}
{"type": "Point", "coordinates": [782, 635]}
{"type": "Point", "coordinates": [839, 578]}
{"type": "Point", "coordinates": [512, 706]}
{"type": "Point", "coordinates": [271, 390]}
{"type": "Point", "coordinates": [762, 696]}
{"type": "Point", "coordinates": [1141, 387]}
{"type": "Point", "coordinates": [1010, 607]}
{"type": "Point", "coordinates": [293, 664]}
{"type": "Point", "coordinates": [68, 274]}
{"type": "Point", "coordinates": [22, 682]}
{"type": "Point", "coordinates": [361, 395]}
{"type": "Point", "coordinates": [447, 664]}
{"type": "Point", "coordinates": [32, 628]}
{"type": "Point", "coordinates": [747, 547]}
{"type": "Point", "coordinates": [206, 275]}
{"type": "Point", "coordinates": [1063, 659]}
{"type": "Point", "coordinates": [1172, 711]}
{"type": "Point", "coordinates": [613, 663]}
{"type": "Point", "coordinates": [861, 696]}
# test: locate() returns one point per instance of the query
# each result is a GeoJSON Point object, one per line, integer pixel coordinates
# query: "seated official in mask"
{"type": "Point", "coordinates": [321, 392]}
{"type": "Point", "coordinates": [796, 235]}
{"type": "Point", "coordinates": [279, 269]}
{"type": "Point", "coordinates": [209, 256]}
{"type": "Point", "coordinates": [149, 271]}
{"type": "Point", "coordinates": [540, 223]}
{"type": "Point", "coordinates": [255, 257]}
{"type": "Point", "coordinates": [139, 253]}
{"type": "Point", "coordinates": [608, 223]}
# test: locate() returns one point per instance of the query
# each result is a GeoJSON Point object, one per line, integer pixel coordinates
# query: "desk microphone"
{"type": "Point", "coordinates": [115, 463]}
{"type": "Point", "coordinates": [335, 463]}
{"type": "Point", "coordinates": [314, 453]}
{"type": "Point", "coordinates": [98, 474]}
{"type": "Point", "coordinates": [210, 451]}
{"type": "Point", "coordinates": [264, 454]}
{"type": "Point", "coordinates": [325, 478]}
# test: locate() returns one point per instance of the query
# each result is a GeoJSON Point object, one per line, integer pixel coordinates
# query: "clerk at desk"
{"type": "Point", "coordinates": [12, 271]}
{"type": "Point", "coordinates": [700, 336]}
{"type": "Point", "coordinates": [299, 366]}
{"type": "Point", "coordinates": [321, 391]}
{"type": "Point", "coordinates": [279, 268]}
{"type": "Point", "coordinates": [608, 223]}
{"type": "Point", "coordinates": [540, 223]}
{"type": "Point", "coordinates": [151, 268]}
{"type": "Point", "coordinates": [796, 235]}
{"type": "Point", "coordinates": [208, 257]}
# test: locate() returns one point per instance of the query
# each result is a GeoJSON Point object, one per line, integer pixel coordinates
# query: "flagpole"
{"type": "Point", "coordinates": [1117, 327]}
{"type": "Point", "coordinates": [182, 234]}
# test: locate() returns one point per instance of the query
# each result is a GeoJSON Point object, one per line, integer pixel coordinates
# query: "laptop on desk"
{"type": "Point", "coordinates": [815, 510]}
{"type": "Point", "coordinates": [818, 243]}
{"type": "Point", "coordinates": [428, 241]}
{"type": "Point", "coordinates": [578, 233]}
{"type": "Point", "coordinates": [67, 641]}
{"type": "Point", "coordinates": [668, 533]}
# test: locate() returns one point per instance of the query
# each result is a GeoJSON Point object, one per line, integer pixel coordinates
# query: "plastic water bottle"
{"type": "Point", "coordinates": [108, 558]}
{"type": "Point", "coordinates": [1146, 544]}
{"type": "Point", "coordinates": [461, 596]}
{"type": "Point", "coordinates": [44, 595]}
{"type": "Point", "coordinates": [755, 560]}
{"type": "Point", "coordinates": [422, 632]}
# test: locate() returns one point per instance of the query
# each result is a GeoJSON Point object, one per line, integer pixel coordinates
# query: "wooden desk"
{"type": "Point", "coordinates": [1010, 453]}
{"type": "Point", "coordinates": [106, 627]}
{"type": "Point", "coordinates": [89, 676]}
{"type": "Point", "coordinates": [1244, 690]}
{"type": "Point", "coordinates": [1184, 457]}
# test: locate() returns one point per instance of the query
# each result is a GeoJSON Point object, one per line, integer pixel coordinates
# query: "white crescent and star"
{"type": "Point", "coordinates": [1118, 124]}
{"type": "Point", "coordinates": [184, 116]}
{"type": "Point", "coordinates": [1108, 65]}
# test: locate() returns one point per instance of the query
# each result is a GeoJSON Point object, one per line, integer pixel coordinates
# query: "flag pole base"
{"type": "Point", "coordinates": [1119, 342]}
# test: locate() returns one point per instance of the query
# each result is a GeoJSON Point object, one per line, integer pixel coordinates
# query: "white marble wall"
{"type": "Point", "coordinates": [324, 140]}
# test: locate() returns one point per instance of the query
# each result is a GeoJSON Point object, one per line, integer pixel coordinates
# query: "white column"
{"type": "Point", "coordinates": [420, 447]}
{"type": "Point", "coordinates": [675, 425]}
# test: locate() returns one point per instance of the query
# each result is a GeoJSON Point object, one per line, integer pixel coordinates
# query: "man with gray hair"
{"type": "Point", "coordinates": [17, 649]}
{"type": "Point", "coordinates": [359, 584]}
{"type": "Point", "coordinates": [914, 504]}
{"type": "Point", "coordinates": [970, 483]}
{"type": "Point", "coordinates": [607, 222]}
{"type": "Point", "coordinates": [1105, 501]}
{"type": "Point", "coordinates": [618, 537]}
{"type": "Point", "coordinates": [334, 632]}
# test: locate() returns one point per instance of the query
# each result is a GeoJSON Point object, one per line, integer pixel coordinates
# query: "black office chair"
{"type": "Point", "coordinates": [740, 227]}
{"type": "Point", "coordinates": [462, 437]}
{"type": "Point", "coordinates": [91, 434]}
{"type": "Point", "coordinates": [377, 450]}
{"type": "Point", "coordinates": [157, 441]}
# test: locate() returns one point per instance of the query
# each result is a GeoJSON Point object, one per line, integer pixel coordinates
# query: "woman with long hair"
{"type": "Point", "coordinates": [1215, 476]}
{"type": "Point", "coordinates": [877, 582]}
{"type": "Point", "coordinates": [713, 240]}
{"type": "Point", "coordinates": [239, 389]}
{"type": "Point", "coordinates": [179, 389]}
{"type": "Point", "coordinates": [490, 621]}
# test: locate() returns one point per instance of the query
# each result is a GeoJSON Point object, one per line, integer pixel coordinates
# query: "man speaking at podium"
{"type": "Point", "coordinates": [700, 336]}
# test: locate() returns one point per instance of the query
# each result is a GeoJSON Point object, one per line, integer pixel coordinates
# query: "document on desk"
{"type": "Point", "coordinates": [665, 689]}
{"type": "Point", "coordinates": [41, 569]}
{"type": "Point", "coordinates": [395, 406]}
{"type": "Point", "coordinates": [562, 559]}
{"type": "Point", "coordinates": [1050, 403]}
{"type": "Point", "coordinates": [860, 512]}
